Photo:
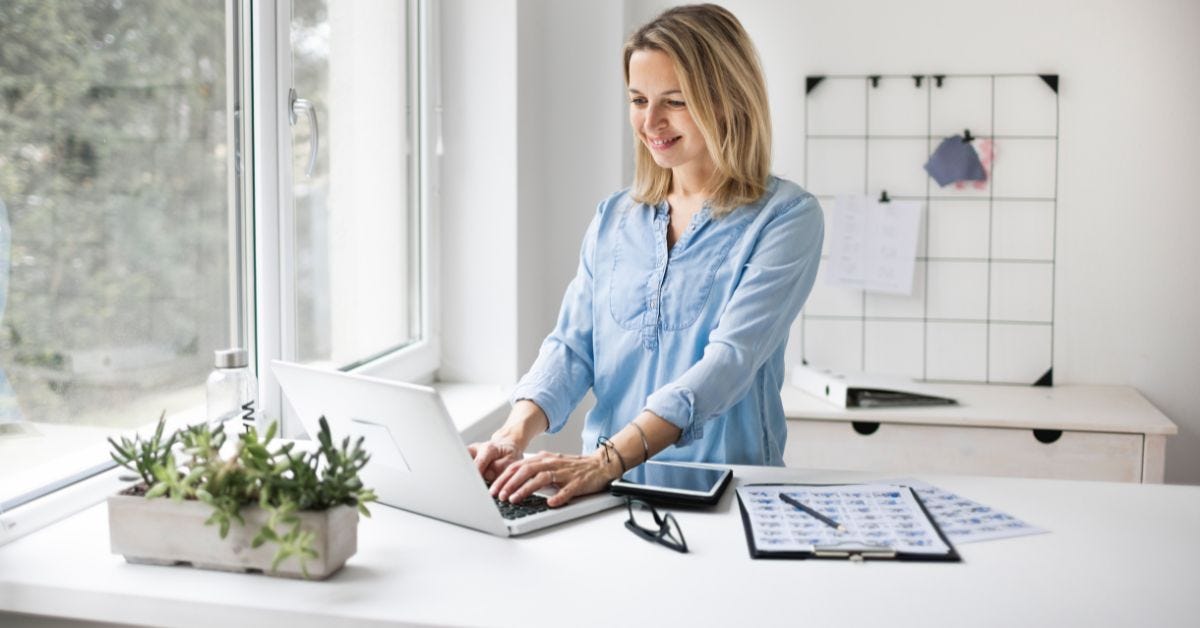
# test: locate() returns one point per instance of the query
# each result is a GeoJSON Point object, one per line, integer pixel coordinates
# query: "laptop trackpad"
{"type": "Point", "coordinates": [379, 443]}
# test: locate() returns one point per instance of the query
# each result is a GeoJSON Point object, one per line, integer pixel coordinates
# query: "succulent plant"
{"type": "Point", "coordinates": [284, 481]}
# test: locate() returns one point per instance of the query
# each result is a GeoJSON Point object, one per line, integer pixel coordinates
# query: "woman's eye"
{"type": "Point", "coordinates": [676, 103]}
{"type": "Point", "coordinates": [638, 101]}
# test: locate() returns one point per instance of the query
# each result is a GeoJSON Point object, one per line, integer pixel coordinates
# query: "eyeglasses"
{"type": "Point", "coordinates": [645, 522]}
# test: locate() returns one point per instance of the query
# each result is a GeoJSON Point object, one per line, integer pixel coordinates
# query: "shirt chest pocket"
{"type": "Point", "coordinates": [644, 293]}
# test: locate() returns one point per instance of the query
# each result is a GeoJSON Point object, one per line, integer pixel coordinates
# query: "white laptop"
{"type": "Point", "coordinates": [418, 460]}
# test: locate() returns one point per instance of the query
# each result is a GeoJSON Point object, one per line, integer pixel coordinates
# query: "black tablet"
{"type": "Point", "coordinates": [674, 483]}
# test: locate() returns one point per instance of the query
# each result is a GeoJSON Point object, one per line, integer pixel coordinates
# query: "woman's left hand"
{"type": "Point", "coordinates": [574, 476]}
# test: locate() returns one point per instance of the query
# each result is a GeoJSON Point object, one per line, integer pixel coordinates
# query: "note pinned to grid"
{"type": "Point", "coordinates": [873, 245]}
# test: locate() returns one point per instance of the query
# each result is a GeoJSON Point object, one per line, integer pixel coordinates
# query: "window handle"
{"type": "Point", "coordinates": [295, 107]}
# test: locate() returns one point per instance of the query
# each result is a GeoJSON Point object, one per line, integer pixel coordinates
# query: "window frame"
{"type": "Point", "coordinates": [260, 240]}
{"type": "Point", "coordinates": [272, 242]}
{"type": "Point", "coordinates": [79, 479]}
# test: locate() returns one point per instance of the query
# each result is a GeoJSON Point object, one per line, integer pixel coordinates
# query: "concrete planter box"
{"type": "Point", "coordinates": [164, 532]}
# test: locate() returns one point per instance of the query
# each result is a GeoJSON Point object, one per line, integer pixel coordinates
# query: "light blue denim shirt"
{"type": "Point", "coordinates": [694, 334]}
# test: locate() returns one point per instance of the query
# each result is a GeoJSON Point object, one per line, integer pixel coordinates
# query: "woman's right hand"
{"type": "Point", "coordinates": [507, 445]}
{"type": "Point", "coordinates": [493, 456]}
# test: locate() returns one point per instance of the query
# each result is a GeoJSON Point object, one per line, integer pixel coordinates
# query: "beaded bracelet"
{"type": "Point", "coordinates": [645, 443]}
{"type": "Point", "coordinates": [608, 445]}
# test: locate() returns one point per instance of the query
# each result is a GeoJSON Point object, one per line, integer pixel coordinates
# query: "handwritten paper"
{"type": "Point", "coordinates": [873, 245]}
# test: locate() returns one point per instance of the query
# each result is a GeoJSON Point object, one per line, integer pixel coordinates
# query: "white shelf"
{"type": "Point", "coordinates": [1066, 407]}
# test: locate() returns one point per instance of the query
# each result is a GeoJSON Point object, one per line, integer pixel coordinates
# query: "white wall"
{"type": "Point", "coordinates": [534, 108]}
{"type": "Point", "coordinates": [1127, 299]}
{"type": "Point", "coordinates": [478, 206]}
{"type": "Point", "coordinates": [571, 100]}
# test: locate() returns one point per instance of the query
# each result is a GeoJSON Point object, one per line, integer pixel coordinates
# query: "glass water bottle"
{"type": "Point", "coordinates": [232, 390]}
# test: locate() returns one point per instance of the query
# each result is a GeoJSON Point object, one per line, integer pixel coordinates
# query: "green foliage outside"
{"type": "Point", "coordinates": [113, 167]}
{"type": "Point", "coordinates": [188, 464]}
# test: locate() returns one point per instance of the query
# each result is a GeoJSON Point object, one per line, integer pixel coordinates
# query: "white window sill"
{"type": "Point", "coordinates": [477, 410]}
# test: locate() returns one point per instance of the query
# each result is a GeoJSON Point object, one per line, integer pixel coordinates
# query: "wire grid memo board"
{"type": "Point", "coordinates": [982, 304]}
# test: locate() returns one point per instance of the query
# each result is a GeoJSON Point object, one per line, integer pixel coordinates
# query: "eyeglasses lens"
{"type": "Point", "coordinates": [643, 516]}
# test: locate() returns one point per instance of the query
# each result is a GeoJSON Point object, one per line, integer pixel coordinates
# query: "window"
{"type": "Point", "coordinates": [157, 203]}
{"type": "Point", "coordinates": [352, 230]}
{"type": "Point", "coordinates": [356, 273]}
{"type": "Point", "coordinates": [114, 256]}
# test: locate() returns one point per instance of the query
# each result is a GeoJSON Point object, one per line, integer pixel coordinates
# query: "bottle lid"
{"type": "Point", "coordinates": [231, 358]}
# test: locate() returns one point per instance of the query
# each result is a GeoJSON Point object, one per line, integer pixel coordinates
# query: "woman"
{"type": "Point", "coordinates": [687, 283]}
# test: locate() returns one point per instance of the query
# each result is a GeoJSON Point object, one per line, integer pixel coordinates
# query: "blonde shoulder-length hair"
{"type": "Point", "coordinates": [722, 83]}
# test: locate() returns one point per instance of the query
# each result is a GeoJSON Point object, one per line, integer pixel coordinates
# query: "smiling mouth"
{"type": "Point", "coordinates": [663, 144]}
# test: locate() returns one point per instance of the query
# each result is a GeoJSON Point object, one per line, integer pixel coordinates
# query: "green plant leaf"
{"type": "Point", "coordinates": [281, 555]}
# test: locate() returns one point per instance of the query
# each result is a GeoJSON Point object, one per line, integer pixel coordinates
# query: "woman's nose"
{"type": "Point", "coordinates": [654, 117]}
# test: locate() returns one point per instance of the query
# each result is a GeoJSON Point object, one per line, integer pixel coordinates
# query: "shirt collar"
{"type": "Point", "coordinates": [662, 210]}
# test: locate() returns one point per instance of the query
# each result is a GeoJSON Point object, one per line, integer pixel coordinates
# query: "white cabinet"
{"type": "Point", "coordinates": [1069, 432]}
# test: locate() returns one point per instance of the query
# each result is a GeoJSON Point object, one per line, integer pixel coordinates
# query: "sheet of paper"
{"type": "Point", "coordinates": [876, 516]}
{"type": "Point", "coordinates": [873, 245]}
{"type": "Point", "coordinates": [966, 521]}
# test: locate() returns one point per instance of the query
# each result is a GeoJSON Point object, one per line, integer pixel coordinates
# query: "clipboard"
{"type": "Point", "coordinates": [902, 529]}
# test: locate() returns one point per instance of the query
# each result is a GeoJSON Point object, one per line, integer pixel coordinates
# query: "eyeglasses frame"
{"type": "Point", "coordinates": [664, 522]}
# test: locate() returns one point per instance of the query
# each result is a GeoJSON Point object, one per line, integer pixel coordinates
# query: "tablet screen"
{"type": "Point", "coordinates": [674, 477]}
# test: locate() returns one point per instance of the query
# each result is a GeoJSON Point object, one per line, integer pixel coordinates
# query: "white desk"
{"type": "Point", "coordinates": [412, 570]}
{"type": "Point", "coordinates": [1096, 433]}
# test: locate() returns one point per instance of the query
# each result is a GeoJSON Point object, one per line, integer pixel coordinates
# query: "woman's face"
{"type": "Point", "coordinates": [659, 114]}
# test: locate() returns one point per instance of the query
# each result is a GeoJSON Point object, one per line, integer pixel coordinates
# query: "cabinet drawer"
{"type": "Point", "coordinates": [908, 448]}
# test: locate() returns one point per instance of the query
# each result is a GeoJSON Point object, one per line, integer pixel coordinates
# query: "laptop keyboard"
{"type": "Point", "coordinates": [532, 505]}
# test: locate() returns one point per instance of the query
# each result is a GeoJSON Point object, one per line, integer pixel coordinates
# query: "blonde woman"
{"type": "Point", "coordinates": [687, 283]}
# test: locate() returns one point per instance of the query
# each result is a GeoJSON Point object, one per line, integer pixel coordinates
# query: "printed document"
{"type": "Point", "coordinates": [966, 521]}
{"type": "Point", "coordinates": [873, 245]}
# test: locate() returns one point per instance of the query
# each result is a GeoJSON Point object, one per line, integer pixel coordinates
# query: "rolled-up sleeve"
{"type": "Point", "coordinates": [565, 367]}
{"type": "Point", "coordinates": [775, 282]}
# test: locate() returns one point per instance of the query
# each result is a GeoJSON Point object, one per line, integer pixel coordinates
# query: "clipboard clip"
{"type": "Point", "coordinates": [856, 556]}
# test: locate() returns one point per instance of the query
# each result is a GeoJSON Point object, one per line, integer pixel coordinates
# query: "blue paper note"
{"type": "Point", "coordinates": [955, 160]}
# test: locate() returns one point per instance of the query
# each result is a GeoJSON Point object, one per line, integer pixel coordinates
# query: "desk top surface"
{"type": "Point", "coordinates": [1117, 554]}
{"type": "Point", "coordinates": [1069, 407]}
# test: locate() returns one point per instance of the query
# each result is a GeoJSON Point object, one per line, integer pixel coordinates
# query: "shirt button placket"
{"type": "Point", "coordinates": [651, 322]}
